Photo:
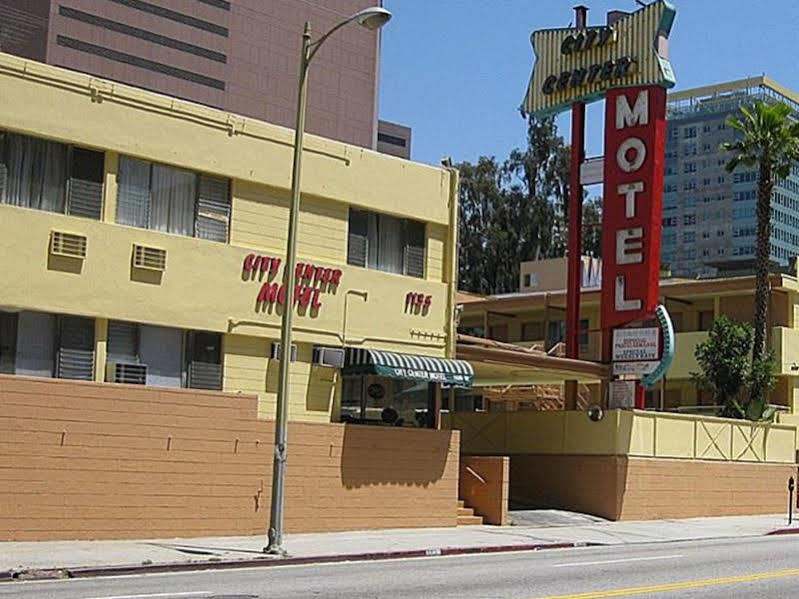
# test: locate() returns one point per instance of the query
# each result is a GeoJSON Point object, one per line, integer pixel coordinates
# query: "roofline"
{"type": "Point", "coordinates": [730, 86]}
{"type": "Point", "coordinates": [680, 287]}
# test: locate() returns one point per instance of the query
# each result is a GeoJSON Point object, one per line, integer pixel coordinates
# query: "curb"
{"type": "Point", "coordinates": [265, 562]}
{"type": "Point", "coordinates": [783, 531]}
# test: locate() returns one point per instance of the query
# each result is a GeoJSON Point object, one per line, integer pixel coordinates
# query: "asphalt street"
{"type": "Point", "coordinates": [746, 568]}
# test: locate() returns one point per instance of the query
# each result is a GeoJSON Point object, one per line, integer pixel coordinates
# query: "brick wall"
{"type": "Point", "coordinates": [102, 461]}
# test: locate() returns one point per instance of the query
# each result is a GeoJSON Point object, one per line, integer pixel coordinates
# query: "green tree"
{"type": "Point", "coordinates": [727, 368]}
{"type": "Point", "coordinates": [478, 200]}
{"type": "Point", "coordinates": [513, 211]}
{"type": "Point", "coordinates": [592, 227]}
{"type": "Point", "coordinates": [769, 141]}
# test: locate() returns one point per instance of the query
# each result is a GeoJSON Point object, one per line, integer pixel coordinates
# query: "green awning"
{"type": "Point", "coordinates": [408, 366]}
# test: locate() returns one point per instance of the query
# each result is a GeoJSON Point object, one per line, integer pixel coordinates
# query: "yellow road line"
{"type": "Point", "coordinates": [676, 586]}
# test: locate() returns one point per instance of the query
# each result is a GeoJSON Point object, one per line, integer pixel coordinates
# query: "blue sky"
{"type": "Point", "coordinates": [455, 70]}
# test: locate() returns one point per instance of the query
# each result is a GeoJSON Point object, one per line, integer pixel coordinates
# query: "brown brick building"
{"type": "Point", "coordinates": [237, 55]}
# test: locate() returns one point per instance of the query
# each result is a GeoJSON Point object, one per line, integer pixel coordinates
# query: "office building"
{"type": "Point", "coordinates": [709, 220]}
{"type": "Point", "coordinates": [241, 56]}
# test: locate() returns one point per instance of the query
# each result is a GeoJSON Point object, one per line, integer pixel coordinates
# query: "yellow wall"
{"type": "Point", "coordinates": [203, 286]}
{"type": "Point", "coordinates": [624, 432]}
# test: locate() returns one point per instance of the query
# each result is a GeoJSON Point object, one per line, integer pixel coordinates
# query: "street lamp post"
{"type": "Point", "coordinates": [371, 18]}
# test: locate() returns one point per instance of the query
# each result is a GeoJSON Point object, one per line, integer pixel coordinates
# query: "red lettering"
{"type": "Point", "coordinates": [304, 296]}
{"type": "Point", "coordinates": [308, 274]}
{"type": "Point", "coordinates": [326, 275]}
{"type": "Point", "coordinates": [315, 303]}
{"type": "Point", "coordinates": [268, 293]}
{"type": "Point", "coordinates": [274, 265]}
{"type": "Point", "coordinates": [281, 295]}
{"type": "Point", "coordinates": [318, 272]}
{"type": "Point", "coordinates": [298, 270]}
{"type": "Point", "coordinates": [265, 261]}
{"type": "Point", "coordinates": [335, 277]}
{"type": "Point", "coordinates": [409, 297]}
{"type": "Point", "coordinates": [428, 300]}
{"type": "Point", "coordinates": [248, 262]}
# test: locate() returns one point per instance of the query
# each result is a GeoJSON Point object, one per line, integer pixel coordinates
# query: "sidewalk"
{"type": "Point", "coordinates": [92, 558]}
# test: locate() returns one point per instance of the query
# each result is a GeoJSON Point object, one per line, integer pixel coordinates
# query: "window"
{"type": "Point", "coordinates": [689, 149]}
{"type": "Point", "coordinates": [556, 332]}
{"type": "Point", "coordinates": [689, 167]}
{"type": "Point", "coordinates": [670, 221]}
{"type": "Point", "coordinates": [387, 402]}
{"type": "Point", "coordinates": [706, 318]}
{"type": "Point", "coordinates": [689, 237]}
{"type": "Point", "coordinates": [689, 132]}
{"type": "Point", "coordinates": [583, 338]}
{"type": "Point", "coordinates": [527, 279]}
{"type": "Point", "coordinates": [46, 345]}
{"type": "Point", "coordinates": [533, 331]}
{"type": "Point", "coordinates": [169, 357]}
{"type": "Point", "coordinates": [498, 332]}
{"type": "Point", "coordinates": [47, 175]}
{"type": "Point", "coordinates": [670, 188]}
{"type": "Point", "coordinates": [172, 200]}
{"type": "Point", "coordinates": [706, 181]}
{"type": "Point", "coordinates": [689, 185]}
{"type": "Point", "coordinates": [386, 243]}
{"type": "Point", "coordinates": [689, 219]}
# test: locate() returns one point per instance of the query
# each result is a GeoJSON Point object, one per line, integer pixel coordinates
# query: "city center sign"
{"type": "Point", "coordinates": [626, 62]}
{"type": "Point", "coordinates": [581, 65]}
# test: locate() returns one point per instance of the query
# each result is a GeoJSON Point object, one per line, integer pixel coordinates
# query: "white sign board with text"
{"type": "Point", "coordinates": [634, 368]}
{"type": "Point", "coordinates": [622, 394]}
{"type": "Point", "coordinates": [632, 345]}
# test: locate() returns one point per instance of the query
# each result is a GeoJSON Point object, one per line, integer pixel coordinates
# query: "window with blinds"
{"type": "Point", "coordinates": [47, 175]}
{"type": "Point", "coordinates": [387, 243]}
{"type": "Point", "coordinates": [75, 355]}
{"type": "Point", "coordinates": [164, 198]}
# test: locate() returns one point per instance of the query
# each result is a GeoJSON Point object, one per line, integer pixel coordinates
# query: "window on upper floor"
{"type": "Point", "coordinates": [48, 175]}
{"type": "Point", "coordinates": [172, 200]}
{"type": "Point", "coordinates": [689, 132]}
{"type": "Point", "coordinates": [533, 331]}
{"type": "Point", "coordinates": [387, 243]}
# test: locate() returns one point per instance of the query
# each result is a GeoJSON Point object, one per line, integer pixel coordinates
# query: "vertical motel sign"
{"type": "Point", "coordinates": [625, 62]}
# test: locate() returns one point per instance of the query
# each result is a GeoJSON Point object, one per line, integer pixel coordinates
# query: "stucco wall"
{"type": "Point", "coordinates": [627, 488]}
{"type": "Point", "coordinates": [484, 485]}
{"type": "Point", "coordinates": [101, 461]}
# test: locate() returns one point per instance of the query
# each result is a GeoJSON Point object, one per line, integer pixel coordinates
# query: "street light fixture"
{"type": "Point", "coordinates": [370, 18]}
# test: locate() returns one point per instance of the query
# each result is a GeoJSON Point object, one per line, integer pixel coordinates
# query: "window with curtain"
{"type": "Point", "coordinates": [47, 175]}
{"type": "Point", "coordinates": [173, 357]}
{"type": "Point", "coordinates": [386, 243]}
{"type": "Point", "coordinates": [172, 200]}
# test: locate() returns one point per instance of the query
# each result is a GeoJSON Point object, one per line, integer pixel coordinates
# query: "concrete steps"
{"type": "Point", "coordinates": [466, 516]}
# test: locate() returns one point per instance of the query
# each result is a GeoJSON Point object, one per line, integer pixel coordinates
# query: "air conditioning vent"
{"type": "Point", "coordinates": [70, 245]}
{"type": "Point", "coordinates": [126, 372]}
{"type": "Point", "coordinates": [332, 357]}
{"type": "Point", "coordinates": [275, 354]}
{"type": "Point", "coordinates": [149, 258]}
{"type": "Point", "coordinates": [204, 375]}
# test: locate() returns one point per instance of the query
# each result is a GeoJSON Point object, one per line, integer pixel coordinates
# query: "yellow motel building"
{"type": "Point", "coordinates": [535, 318]}
{"type": "Point", "coordinates": [143, 239]}
{"type": "Point", "coordinates": [674, 459]}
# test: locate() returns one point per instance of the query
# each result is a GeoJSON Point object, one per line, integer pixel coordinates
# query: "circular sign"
{"type": "Point", "coordinates": [376, 391]}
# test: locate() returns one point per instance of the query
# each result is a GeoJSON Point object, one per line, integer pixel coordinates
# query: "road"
{"type": "Point", "coordinates": [746, 568]}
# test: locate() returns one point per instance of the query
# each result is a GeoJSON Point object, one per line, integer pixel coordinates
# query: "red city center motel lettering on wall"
{"type": "Point", "coordinates": [310, 280]}
{"type": "Point", "coordinates": [635, 136]}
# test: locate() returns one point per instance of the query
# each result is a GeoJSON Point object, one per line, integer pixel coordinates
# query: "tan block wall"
{"type": "Point", "coordinates": [101, 461]}
{"type": "Point", "coordinates": [622, 488]}
{"type": "Point", "coordinates": [489, 496]}
{"type": "Point", "coordinates": [588, 484]}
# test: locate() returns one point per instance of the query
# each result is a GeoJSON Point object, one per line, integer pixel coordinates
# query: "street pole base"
{"type": "Point", "coordinates": [275, 550]}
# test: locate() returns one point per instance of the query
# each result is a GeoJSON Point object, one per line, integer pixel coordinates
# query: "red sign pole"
{"type": "Point", "coordinates": [575, 242]}
{"type": "Point", "coordinates": [575, 232]}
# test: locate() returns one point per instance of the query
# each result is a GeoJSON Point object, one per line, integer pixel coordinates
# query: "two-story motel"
{"type": "Point", "coordinates": [141, 244]}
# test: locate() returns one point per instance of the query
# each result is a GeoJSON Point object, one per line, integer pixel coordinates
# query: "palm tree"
{"type": "Point", "coordinates": [770, 143]}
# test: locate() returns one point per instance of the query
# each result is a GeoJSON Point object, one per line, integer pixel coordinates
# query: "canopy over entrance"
{"type": "Point", "coordinates": [408, 366]}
